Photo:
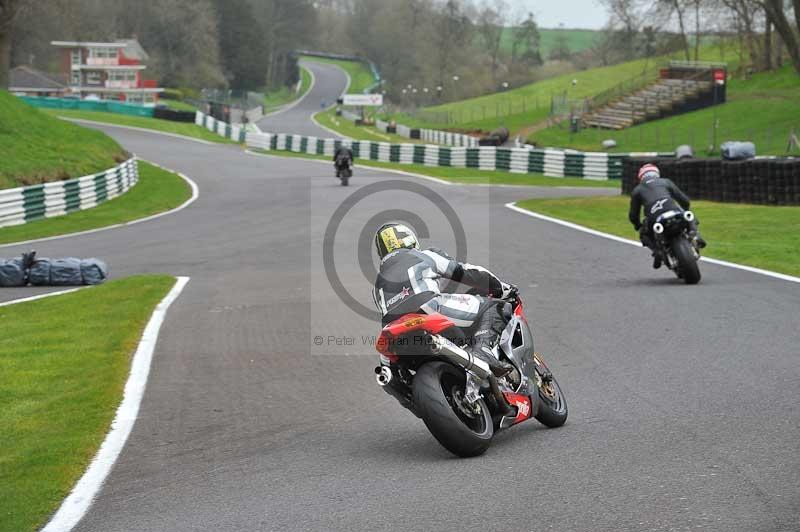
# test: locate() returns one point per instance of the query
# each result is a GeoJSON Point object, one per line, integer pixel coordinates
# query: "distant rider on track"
{"type": "Point", "coordinates": [342, 158]}
{"type": "Point", "coordinates": [657, 195]}
{"type": "Point", "coordinates": [408, 282]}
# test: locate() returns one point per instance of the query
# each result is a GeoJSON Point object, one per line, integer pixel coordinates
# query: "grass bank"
{"type": "Point", "coordinates": [36, 148]}
{"type": "Point", "coordinates": [156, 124]}
{"type": "Point", "coordinates": [157, 191]}
{"type": "Point", "coordinates": [755, 235]}
{"type": "Point", "coordinates": [525, 106]}
{"type": "Point", "coordinates": [285, 95]}
{"type": "Point", "coordinates": [762, 109]}
{"type": "Point", "coordinates": [63, 378]}
{"type": "Point", "coordinates": [464, 175]}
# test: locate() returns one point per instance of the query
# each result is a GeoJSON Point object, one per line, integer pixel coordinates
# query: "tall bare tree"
{"type": "Point", "coordinates": [491, 27]}
{"type": "Point", "coordinates": [789, 35]}
{"type": "Point", "coordinates": [8, 12]}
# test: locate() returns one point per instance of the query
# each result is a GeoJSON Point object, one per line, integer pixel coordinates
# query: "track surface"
{"type": "Point", "coordinates": [683, 400]}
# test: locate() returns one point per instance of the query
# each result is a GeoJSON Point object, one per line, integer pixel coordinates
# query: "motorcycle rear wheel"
{"type": "Point", "coordinates": [687, 262]}
{"type": "Point", "coordinates": [438, 393]}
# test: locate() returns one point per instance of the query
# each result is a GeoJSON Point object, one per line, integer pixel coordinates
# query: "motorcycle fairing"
{"type": "Point", "coordinates": [523, 404]}
{"type": "Point", "coordinates": [433, 323]}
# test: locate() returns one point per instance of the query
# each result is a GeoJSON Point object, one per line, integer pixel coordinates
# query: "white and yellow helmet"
{"type": "Point", "coordinates": [391, 237]}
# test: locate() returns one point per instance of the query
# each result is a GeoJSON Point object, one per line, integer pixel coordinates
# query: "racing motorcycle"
{"type": "Point", "coordinates": [462, 403]}
{"type": "Point", "coordinates": [344, 171]}
{"type": "Point", "coordinates": [675, 242]}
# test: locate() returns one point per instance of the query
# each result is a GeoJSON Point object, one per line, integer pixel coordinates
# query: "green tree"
{"type": "Point", "coordinates": [8, 12]}
{"type": "Point", "coordinates": [526, 42]}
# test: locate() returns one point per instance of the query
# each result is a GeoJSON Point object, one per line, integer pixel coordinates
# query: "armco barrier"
{"type": "Point", "coordinates": [550, 162]}
{"type": "Point", "coordinates": [89, 105]}
{"type": "Point", "coordinates": [24, 204]}
{"type": "Point", "coordinates": [768, 180]}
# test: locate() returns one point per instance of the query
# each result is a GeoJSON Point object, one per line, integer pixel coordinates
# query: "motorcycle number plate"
{"type": "Point", "coordinates": [523, 404]}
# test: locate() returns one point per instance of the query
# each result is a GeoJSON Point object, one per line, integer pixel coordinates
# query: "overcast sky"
{"type": "Point", "coordinates": [572, 13]}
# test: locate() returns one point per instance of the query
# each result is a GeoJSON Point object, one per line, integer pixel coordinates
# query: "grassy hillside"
{"type": "Point", "coordinates": [525, 106]}
{"type": "Point", "coordinates": [361, 77]}
{"type": "Point", "coordinates": [35, 147]}
{"type": "Point", "coordinates": [763, 109]}
{"type": "Point", "coordinates": [577, 40]}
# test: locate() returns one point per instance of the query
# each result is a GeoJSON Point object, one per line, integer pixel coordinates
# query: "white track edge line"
{"type": "Point", "coordinates": [41, 296]}
{"type": "Point", "coordinates": [82, 495]}
{"type": "Point", "coordinates": [195, 195]}
{"type": "Point", "coordinates": [141, 129]}
{"type": "Point", "coordinates": [782, 276]}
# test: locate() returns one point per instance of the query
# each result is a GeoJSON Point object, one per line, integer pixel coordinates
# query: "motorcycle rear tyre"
{"type": "Point", "coordinates": [433, 384]}
{"type": "Point", "coordinates": [687, 262]}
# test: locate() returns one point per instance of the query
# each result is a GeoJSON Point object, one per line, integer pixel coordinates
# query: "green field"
{"type": "Point", "coordinates": [763, 109]}
{"type": "Point", "coordinates": [35, 148]}
{"type": "Point", "coordinates": [349, 129]}
{"type": "Point", "coordinates": [577, 40]}
{"type": "Point", "coordinates": [463, 175]}
{"type": "Point", "coordinates": [754, 235]}
{"type": "Point", "coordinates": [361, 77]}
{"type": "Point", "coordinates": [157, 191]}
{"type": "Point", "coordinates": [156, 124]}
{"type": "Point", "coordinates": [526, 106]}
{"type": "Point", "coordinates": [63, 378]}
{"type": "Point", "coordinates": [285, 95]}
{"type": "Point", "coordinates": [176, 105]}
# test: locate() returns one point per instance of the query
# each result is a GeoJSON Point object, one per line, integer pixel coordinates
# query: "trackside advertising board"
{"type": "Point", "coordinates": [373, 100]}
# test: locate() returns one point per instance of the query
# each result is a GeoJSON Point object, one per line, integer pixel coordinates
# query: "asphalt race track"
{"type": "Point", "coordinates": [683, 400]}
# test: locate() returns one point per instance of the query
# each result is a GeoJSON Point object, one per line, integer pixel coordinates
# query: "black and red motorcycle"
{"type": "Point", "coordinates": [426, 368]}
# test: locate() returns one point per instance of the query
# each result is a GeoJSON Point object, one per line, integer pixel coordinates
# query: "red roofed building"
{"type": "Point", "coordinates": [108, 71]}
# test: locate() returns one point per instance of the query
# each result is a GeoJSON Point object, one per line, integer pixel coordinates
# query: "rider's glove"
{"type": "Point", "coordinates": [637, 225]}
{"type": "Point", "coordinates": [508, 290]}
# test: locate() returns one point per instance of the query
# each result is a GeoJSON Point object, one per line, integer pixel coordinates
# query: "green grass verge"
{"type": "Point", "coordinates": [577, 40]}
{"type": "Point", "coordinates": [36, 148]}
{"type": "Point", "coordinates": [156, 124]}
{"type": "Point", "coordinates": [528, 105]}
{"type": "Point", "coordinates": [157, 191]}
{"type": "Point", "coordinates": [349, 129]}
{"type": "Point", "coordinates": [278, 98]}
{"type": "Point", "coordinates": [360, 75]}
{"type": "Point", "coordinates": [755, 235]}
{"type": "Point", "coordinates": [465, 175]}
{"type": "Point", "coordinates": [763, 109]}
{"type": "Point", "coordinates": [176, 105]}
{"type": "Point", "coordinates": [63, 378]}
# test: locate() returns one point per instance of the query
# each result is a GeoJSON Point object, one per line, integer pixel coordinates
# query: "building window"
{"type": "Point", "coordinates": [93, 78]}
{"type": "Point", "coordinates": [76, 78]}
{"type": "Point", "coordinates": [76, 57]}
{"type": "Point", "coordinates": [103, 53]}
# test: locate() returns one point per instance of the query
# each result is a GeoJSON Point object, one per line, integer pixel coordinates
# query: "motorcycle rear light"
{"type": "Point", "coordinates": [688, 216]}
{"type": "Point", "coordinates": [658, 228]}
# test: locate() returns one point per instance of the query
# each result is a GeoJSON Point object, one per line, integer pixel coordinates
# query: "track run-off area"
{"type": "Point", "coordinates": [261, 411]}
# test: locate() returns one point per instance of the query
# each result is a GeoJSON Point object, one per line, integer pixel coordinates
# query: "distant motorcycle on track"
{"type": "Point", "coordinates": [462, 403]}
{"type": "Point", "coordinates": [343, 161]}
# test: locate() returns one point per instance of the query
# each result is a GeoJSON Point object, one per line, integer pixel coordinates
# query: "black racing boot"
{"type": "Point", "coordinates": [657, 262]}
{"type": "Point", "coordinates": [487, 333]}
{"type": "Point", "coordinates": [699, 242]}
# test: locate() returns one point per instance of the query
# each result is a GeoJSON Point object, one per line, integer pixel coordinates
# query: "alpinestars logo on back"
{"type": "Point", "coordinates": [657, 206]}
{"type": "Point", "coordinates": [399, 297]}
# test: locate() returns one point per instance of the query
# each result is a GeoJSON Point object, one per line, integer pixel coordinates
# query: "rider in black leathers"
{"type": "Point", "coordinates": [342, 157]}
{"type": "Point", "coordinates": [408, 282]}
{"type": "Point", "coordinates": [657, 195]}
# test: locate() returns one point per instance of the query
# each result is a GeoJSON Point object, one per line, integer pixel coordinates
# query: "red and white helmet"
{"type": "Point", "coordinates": [648, 170]}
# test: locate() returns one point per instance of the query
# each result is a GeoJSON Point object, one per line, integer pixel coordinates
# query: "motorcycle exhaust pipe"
{"type": "Point", "coordinates": [658, 228]}
{"type": "Point", "coordinates": [688, 216]}
{"type": "Point", "coordinates": [461, 357]}
{"type": "Point", "coordinates": [383, 375]}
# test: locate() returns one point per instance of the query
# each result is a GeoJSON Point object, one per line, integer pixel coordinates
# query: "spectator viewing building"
{"type": "Point", "coordinates": [108, 71]}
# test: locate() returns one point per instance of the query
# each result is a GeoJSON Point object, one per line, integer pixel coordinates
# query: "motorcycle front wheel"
{"type": "Point", "coordinates": [438, 391]}
{"type": "Point", "coordinates": [687, 262]}
{"type": "Point", "coordinates": [553, 409]}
